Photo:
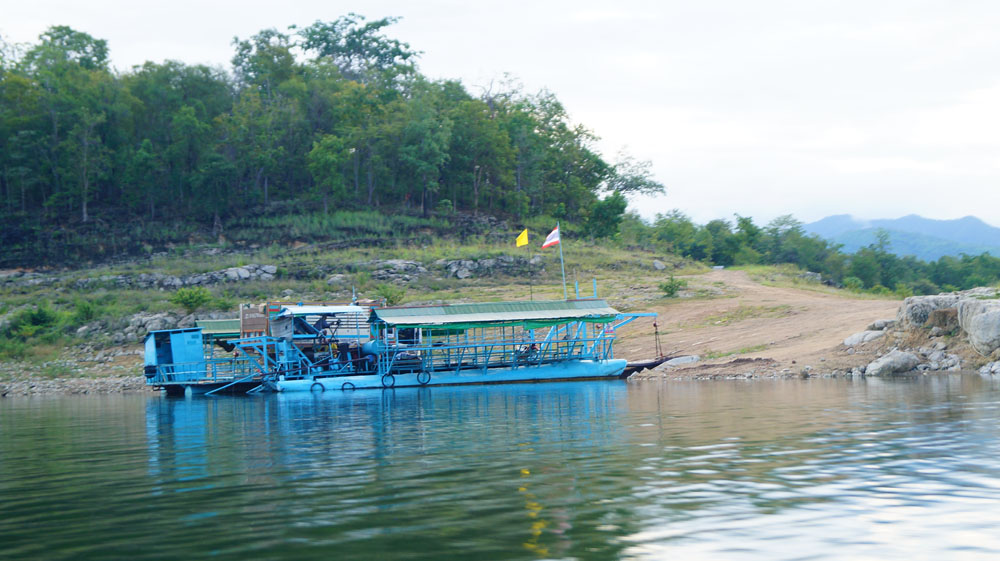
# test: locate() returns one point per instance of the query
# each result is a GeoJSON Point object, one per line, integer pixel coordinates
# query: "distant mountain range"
{"type": "Point", "coordinates": [921, 237]}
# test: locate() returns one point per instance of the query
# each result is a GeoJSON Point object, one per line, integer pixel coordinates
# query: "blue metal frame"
{"type": "Point", "coordinates": [507, 346]}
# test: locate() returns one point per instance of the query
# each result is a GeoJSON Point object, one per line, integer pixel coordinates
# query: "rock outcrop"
{"type": "Point", "coordinates": [975, 312]}
{"type": "Point", "coordinates": [916, 309]}
{"type": "Point", "coordinates": [980, 319]}
{"type": "Point", "coordinates": [171, 282]}
{"type": "Point", "coordinates": [503, 265]}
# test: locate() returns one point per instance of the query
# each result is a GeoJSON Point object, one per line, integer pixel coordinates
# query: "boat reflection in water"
{"type": "Point", "coordinates": [589, 470]}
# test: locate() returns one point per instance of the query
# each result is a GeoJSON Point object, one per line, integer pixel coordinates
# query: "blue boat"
{"type": "Point", "coordinates": [412, 346]}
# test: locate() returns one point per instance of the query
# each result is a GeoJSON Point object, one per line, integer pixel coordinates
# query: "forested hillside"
{"type": "Point", "coordinates": [329, 132]}
{"type": "Point", "coordinates": [321, 118]}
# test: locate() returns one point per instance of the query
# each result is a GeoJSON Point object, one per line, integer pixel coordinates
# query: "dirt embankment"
{"type": "Point", "coordinates": [750, 329]}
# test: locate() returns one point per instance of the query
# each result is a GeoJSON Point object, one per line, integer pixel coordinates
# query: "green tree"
{"type": "Point", "coordinates": [424, 147]}
{"type": "Point", "coordinates": [358, 48]}
{"type": "Point", "coordinates": [629, 176]}
{"type": "Point", "coordinates": [191, 298]}
{"type": "Point", "coordinates": [327, 160]}
{"type": "Point", "coordinates": [606, 215]}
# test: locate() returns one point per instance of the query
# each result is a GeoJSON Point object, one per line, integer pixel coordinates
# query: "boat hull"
{"type": "Point", "coordinates": [566, 370]}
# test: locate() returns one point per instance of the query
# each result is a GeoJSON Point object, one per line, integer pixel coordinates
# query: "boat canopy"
{"type": "Point", "coordinates": [529, 315]}
{"type": "Point", "coordinates": [219, 328]}
{"type": "Point", "coordinates": [314, 309]}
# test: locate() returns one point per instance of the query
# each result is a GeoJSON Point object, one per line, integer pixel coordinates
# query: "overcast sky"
{"type": "Point", "coordinates": [811, 108]}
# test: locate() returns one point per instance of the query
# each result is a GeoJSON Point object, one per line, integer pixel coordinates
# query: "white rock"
{"type": "Point", "coordinates": [688, 359]}
{"type": "Point", "coordinates": [892, 363]}
{"type": "Point", "coordinates": [879, 325]}
{"type": "Point", "coordinates": [862, 337]}
{"type": "Point", "coordinates": [981, 320]}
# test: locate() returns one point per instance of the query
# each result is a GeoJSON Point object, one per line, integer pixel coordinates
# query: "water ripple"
{"type": "Point", "coordinates": [815, 469]}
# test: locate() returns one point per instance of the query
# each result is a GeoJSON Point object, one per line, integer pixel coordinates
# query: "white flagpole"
{"type": "Point", "coordinates": [562, 263]}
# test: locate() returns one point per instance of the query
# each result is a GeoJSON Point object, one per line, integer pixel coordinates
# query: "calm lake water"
{"type": "Point", "coordinates": [803, 469]}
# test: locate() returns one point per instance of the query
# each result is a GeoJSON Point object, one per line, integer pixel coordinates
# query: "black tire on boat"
{"type": "Point", "coordinates": [317, 385]}
{"type": "Point", "coordinates": [347, 386]}
{"type": "Point", "coordinates": [423, 378]}
{"type": "Point", "coordinates": [388, 381]}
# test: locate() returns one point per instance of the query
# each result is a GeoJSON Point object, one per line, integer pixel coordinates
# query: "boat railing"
{"type": "Point", "coordinates": [210, 370]}
{"type": "Point", "coordinates": [479, 354]}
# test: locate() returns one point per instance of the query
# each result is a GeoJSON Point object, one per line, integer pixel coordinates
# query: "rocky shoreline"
{"type": "Point", "coordinates": [954, 332]}
{"type": "Point", "coordinates": [29, 385]}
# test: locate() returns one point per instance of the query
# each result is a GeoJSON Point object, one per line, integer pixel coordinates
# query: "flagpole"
{"type": "Point", "coordinates": [562, 262]}
{"type": "Point", "coordinates": [531, 281]}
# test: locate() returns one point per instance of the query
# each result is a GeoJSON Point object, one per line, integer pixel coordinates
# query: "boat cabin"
{"type": "Point", "coordinates": [491, 335]}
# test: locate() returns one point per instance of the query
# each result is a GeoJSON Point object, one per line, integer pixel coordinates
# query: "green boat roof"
{"type": "Point", "coordinates": [529, 314]}
{"type": "Point", "coordinates": [224, 327]}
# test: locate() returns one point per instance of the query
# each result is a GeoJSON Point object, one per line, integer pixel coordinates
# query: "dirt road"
{"type": "Point", "coordinates": [742, 319]}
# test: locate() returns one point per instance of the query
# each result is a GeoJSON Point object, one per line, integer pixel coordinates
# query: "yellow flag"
{"type": "Point", "coordinates": [522, 238]}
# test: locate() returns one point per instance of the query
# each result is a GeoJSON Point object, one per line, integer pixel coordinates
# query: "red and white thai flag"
{"type": "Point", "coordinates": [551, 239]}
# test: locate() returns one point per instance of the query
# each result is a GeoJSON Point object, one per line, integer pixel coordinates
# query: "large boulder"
{"type": "Point", "coordinates": [980, 319]}
{"type": "Point", "coordinates": [893, 363]}
{"type": "Point", "coordinates": [916, 309]}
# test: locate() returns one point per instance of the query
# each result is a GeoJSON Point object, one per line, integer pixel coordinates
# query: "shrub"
{"type": "Point", "coordinates": [362, 279]}
{"type": "Point", "coordinates": [225, 301]}
{"type": "Point", "coordinates": [33, 322]}
{"type": "Point", "coordinates": [84, 311]}
{"type": "Point", "coordinates": [673, 286]}
{"type": "Point", "coordinates": [391, 293]}
{"type": "Point", "coordinates": [30, 330]}
{"type": "Point", "coordinates": [12, 348]}
{"type": "Point", "coordinates": [191, 298]}
{"type": "Point", "coordinates": [880, 290]}
{"type": "Point", "coordinates": [854, 284]}
{"type": "Point", "coordinates": [444, 206]}
{"type": "Point", "coordinates": [902, 291]}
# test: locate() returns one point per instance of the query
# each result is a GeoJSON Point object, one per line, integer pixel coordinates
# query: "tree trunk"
{"type": "Point", "coordinates": [357, 173]}
{"type": "Point", "coordinates": [86, 178]}
{"type": "Point", "coordinates": [371, 179]}
{"type": "Point", "coordinates": [476, 171]}
{"type": "Point", "coordinates": [423, 197]}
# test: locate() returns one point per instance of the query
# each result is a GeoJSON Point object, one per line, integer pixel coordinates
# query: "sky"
{"type": "Point", "coordinates": [875, 108]}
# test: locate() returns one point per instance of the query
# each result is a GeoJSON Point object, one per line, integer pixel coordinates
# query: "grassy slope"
{"type": "Point", "coordinates": [307, 256]}
{"type": "Point", "coordinates": [625, 276]}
